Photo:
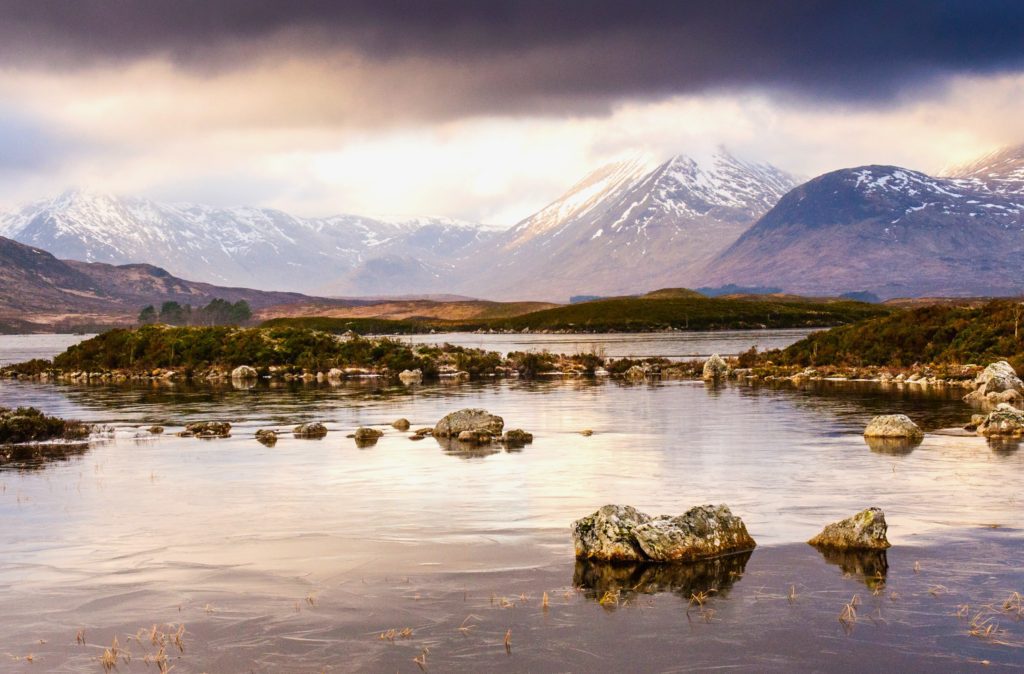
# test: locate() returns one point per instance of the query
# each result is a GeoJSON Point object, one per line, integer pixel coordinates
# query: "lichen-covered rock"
{"type": "Point", "coordinates": [266, 437]}
{"type": "Point", "coordinates": [477, 420]}
{"type": "Point", "coordinates": [244, 372]}
{"type": "Point", "coordinates": [996, 384]}
{"type": "Point", "coordinates": [410, 376]}
{"type": "Point", "coordinates": [622, 533]}
{"type": "Point", "coordinates": [864, 531]}
{"type": "Point", "coordinates": [208, 429]}
{"type": "Point", "coordinates": [893, 426]}
{"type": "Point", "coordinates": [608, 534]}
{"type": "Point", "coordinates": [1005, 420]}
{"type": "Point", "coordinates": [367, 435]}
{"type": "Point", "coordinates": [715, 368]}
{"type": "Point", "coordinates": [635, 373]}
{"type": "Point", "coordinates": [400, 424]}
{"type": "Point", "coordinates": [699, 533]}
{"type": "Point", "coordinates": [310, 429]}
{"type": "Point", "coordinates": [517, 437]}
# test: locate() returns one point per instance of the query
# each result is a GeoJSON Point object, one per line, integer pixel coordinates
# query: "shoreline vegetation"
{"type": "Point", "coordinates": [938, 345]}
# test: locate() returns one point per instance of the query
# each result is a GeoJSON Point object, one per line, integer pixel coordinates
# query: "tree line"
{"type": "Point", "coordinates": [217, 312]}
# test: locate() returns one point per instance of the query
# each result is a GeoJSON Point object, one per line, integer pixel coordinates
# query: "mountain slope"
{"type": "Point", "coordinates": [36, 286]}
{"type": "Point", "coordinates": [888, 230]}
{"type": "Point", "coordinates": [252, 247]}
{"type": "Point", "coordinates": [626, 228]}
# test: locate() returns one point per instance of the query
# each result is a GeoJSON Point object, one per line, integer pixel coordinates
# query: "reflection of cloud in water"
{"type": "Point", "coordinates": [685, 579]}
{"type": "Point", "coordinates": [892, 446]}
{"type": "Point", "coordinates": [868, 566]}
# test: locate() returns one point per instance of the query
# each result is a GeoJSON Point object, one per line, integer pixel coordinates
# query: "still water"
{"type": "Point", "coordinates": [298, 558]}
{"type": "Point", "coordinates": [19, 348]}
{"type": "Point", "coordinates": [672, 345]}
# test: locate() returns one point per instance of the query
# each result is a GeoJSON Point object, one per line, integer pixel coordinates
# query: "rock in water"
{"type": "Point", "coordinates": [517, 437]}
{"type": "Point", "coordinates": [266, 437]}
{"type": "Point", "coordinates": [864, 531]}
{"type": "Point", "coordinates": [474, 437]}
{"type": "Point", "coordinates": [608, 534]}
{"type": "Point", "coordinates": [244, 372]}
{"type": "Point", "coordinates": [367, 435]}
{"type": "Point", "coordinates": [400, 424]}
{"type": "Point", "coordinates": [893, 426]}
{"type": "Point", "coordinates": [208, 429]}
{"type": "Point", "coordinates": [310, 429]}
{"type": "Point", "coordinates": [1004, 420]}
{"type": "Point", "coordinates": [622, 533]}
{"type": "Point", "coordinates": [411, 376]}
{"type": "Point", "coordinates": [997, 383]}
{"type": "Point", "coordinates": [476, 420]}
{"type": "Point", "coordinates": [635, 373]}
{"type": "Point", "coordinates": [715, 368]}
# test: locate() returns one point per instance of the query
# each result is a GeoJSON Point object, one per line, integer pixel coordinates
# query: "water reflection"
{"type": "Point", "coordinates": [892, 446]}
{"type": "Point", "coordinates": [717, 575]}
{"type": "Point", "coordinates": [868, 566]}
{"type": "Point", "coordinates": [38, 456]}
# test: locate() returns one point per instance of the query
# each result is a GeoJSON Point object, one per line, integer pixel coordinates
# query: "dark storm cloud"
{"type": "Point", "coordinates": [547, 55]}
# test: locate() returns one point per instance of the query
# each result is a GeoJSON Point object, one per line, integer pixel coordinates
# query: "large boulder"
{"type": "Point", "coordinates": [864, 531]}
{"type": "Point", "coordinates": [997, 383]}
{"type": "Point", "coordinates": [476, 420]}
{"type": "Point", "coordinates": [1005, 420]}
{"type": "Point", "coordinates": [893, 426]}
{"type": "Point", "coordinates": [622, 533]}
{"type": "Point", "coordinates": [715, 368]}
{"type": "Point", "coordinates": [244, 372]}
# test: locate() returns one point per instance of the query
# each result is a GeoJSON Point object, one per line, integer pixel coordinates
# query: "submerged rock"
{"type": "Point", "coordinates": [207, 429]}
{"type": "Point", "coordinates": [893, 426]}
{"type": "Point", "coordinates": [623, 533]}
{"type": "Point", "coordinates": [517, 437]}
{"type": "Point", "coordinates": [864, 531]}
{"type": "Point", "coordinates": [243, 372]}
{"type": "Point", "coordinates": [470, 419]}
{"type": "Point", "coordinates": [635, 373]}
{"type": "Point", "coordinates": [715, 368]}
{"type": "Point", "coordinates": [156, 430]}
{"type": "Point", "coordinates": [367, 436]}
{"type": "Point", "coordinates": [400, 424]}
{"type": "Point", "coordinates": [310, 429]}
{"type": "Point", "coordinates": [1005, 420]}
{"type": "Point", "coordinates": [475, 437]}
{"type": "Point", "coordinates": [266, 437]}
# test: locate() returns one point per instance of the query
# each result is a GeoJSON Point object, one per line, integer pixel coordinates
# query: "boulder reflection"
{"type": "Point", "coordinates": [868, 566]}
{"type": "Point", "coordinates": [596, 579]}
{"type": "Point", "coordinates": [892, 446]}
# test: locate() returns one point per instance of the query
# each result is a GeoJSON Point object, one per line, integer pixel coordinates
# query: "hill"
{"type": "Point", "coordinates": [38, 291]}
{"type": "Point", "coordinates": [958, 334]}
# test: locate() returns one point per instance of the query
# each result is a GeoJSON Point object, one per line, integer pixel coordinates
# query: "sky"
{"type": "Point", "coordinates": [484, 111]}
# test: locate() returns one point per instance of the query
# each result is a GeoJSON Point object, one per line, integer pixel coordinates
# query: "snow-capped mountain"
{"type": "Point", "coordinates": [627, 227]}
{"type": "Point", "coordinates": [1001, 171]}
{"type": "Point", "coordinates": [888, 230]}
{"type": "Point", "coordinates": [251, 247]}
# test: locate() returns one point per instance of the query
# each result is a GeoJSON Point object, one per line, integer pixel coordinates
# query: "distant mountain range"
{"type": "Point", "coordinates": [625, 228]}
{"type": "Point", "coordinates": [251, 247]}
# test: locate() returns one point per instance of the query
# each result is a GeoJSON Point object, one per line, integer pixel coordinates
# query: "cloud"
{"type": "Point", "coordinates": [465, 57]}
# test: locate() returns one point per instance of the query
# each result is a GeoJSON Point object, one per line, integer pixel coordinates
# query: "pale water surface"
{"type": "Point", "coordinates": [297, 557]}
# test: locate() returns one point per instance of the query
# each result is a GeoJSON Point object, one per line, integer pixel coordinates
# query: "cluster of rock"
{"type": "Point", "coordinates": [997, 383]}
{"type": "Point", "coordinates": [623, 534]}
{"type": "Point", "coordinates": [478, 427]}
{"type": "Point", "coordinates": [207, 430]}
{"type": "Point", "coordinates": [1004, 421]}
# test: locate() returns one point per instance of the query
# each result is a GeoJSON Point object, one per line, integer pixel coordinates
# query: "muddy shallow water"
{"type": "Point", "coordinates": [298, 557]}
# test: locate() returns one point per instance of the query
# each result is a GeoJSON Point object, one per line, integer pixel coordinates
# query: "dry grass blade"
{"type": "Point", "coordinates": [792, 594]}
{"type": "Point", "coordinates": [311, 599]}
{"type": "Point", "coordinates": [80, 637]}
{"type": "Point", "coordinates": [1013, 604]}
{"type": "Point", "coordinates": [109, 658]}
{"type": "Point", "coordinates": [544, 601]}
{"type": "Point", "coordinates": [508, 642]}
{"type": "Point", "coordinates": [421, 659]}
{"type": "Point", "coordinates": [466, 627]}
{"type": "Point", "coordinates": [848, 616]}
{"type": "Point", "coordinates": [609, 598]}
